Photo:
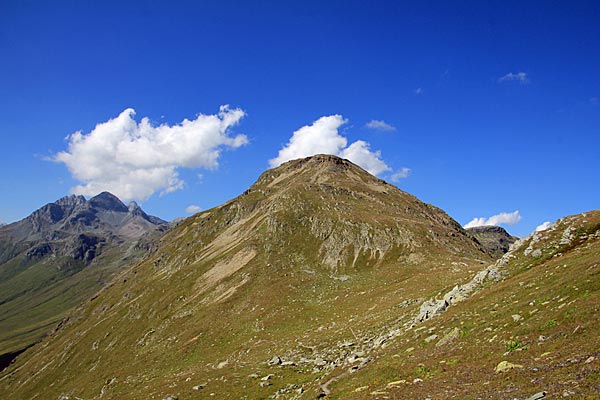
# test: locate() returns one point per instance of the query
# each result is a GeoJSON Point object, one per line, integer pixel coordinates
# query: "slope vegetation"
{"type": "Point", "coordinates": [60, 255]}
{"type": "Point", "coordinates": [529, 333]}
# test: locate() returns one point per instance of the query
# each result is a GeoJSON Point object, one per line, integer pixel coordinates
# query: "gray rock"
{"type": "Point", "coordinates": [516, 317]}
{"type": "Point", "coordinates": [431, 338]}
{"type": "Point", "coordinates": [267, 377]}
{"type": "Point", "coordinates": [430, 308]}
{"type": "Point", "coordinates": [537, 396]}
{"type": "Point", "coordinates": [449, 337]}
{"type": "Point", "coordinates": [275, 361]}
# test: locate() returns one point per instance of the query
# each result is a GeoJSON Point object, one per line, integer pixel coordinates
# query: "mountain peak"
{"type": "Point", "coordinates": [327, 162]}
{"type": "Point", "coordinates": [494, 238]}
{"type": "Point", "coordinates": [108, 201]}
{"type": "Point", "coordinates": [70, 201]}
{"type": "Point", "coordinates": [318, 169]}
{"type": "Point", "coordinates": [488, 228]}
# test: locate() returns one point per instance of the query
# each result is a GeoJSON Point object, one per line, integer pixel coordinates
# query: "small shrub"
{"type": "Point", "coordinates": [549, 324]}
{"type": "Point", "coordinates": [465, 332]}
{"type": "Point", "coordinates": [513, 345]}
{"type": "Point", "coordinates": [424, 372]}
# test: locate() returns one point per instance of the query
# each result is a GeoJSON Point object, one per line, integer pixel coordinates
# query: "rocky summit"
{"type": "Point", "coordinates": [60, 255]}
{"type": "Point", "coordinates": [323, 281]}
{"type": "Point", "coordinates": [494, 238]}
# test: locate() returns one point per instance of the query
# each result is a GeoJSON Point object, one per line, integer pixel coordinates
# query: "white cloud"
{"type": "Point", "coordinates": [323, 137]}
{"type": "Point", "coordinates": [379, 125]}
{"type": "Point", "coordinates": [403, 173]}
{"type": "Point", "coordinates": [521, 77]}
{"type": "Point", "coordinates": [191, 209]}
{"type": "Point", "coordinates": [320, 137]}
{"type": "Point", "coordinates": [134, 160]}
{"type": "Point", "coordinates": [543, 226]}
{"type": "Point", "coordinates": [360, 154]}
{"type": "Point", "coordinates": [502, 218]}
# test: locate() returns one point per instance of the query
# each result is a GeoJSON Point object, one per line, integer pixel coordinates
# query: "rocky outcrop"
{"type": "Point", "coordinates": [495, 239]}
{"type": "Point", "coordinates": [459, 293]}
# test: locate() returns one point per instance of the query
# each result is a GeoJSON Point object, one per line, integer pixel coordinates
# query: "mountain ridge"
{"type": "Point", "coordinates": [60, 254]}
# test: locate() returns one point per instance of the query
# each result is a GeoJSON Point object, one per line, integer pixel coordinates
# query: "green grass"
{"type": "Point", "coordinates": [513, 345]}
{"type": "Point", "coordinates": [36, 295]}
{"type": "Point", "coordinates": [549, 324]}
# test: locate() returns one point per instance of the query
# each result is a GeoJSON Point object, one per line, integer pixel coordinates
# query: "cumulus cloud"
{"type": "Point", "coordinates": [380, 125]}
{"type": "Point", "coordinates": [403, 173]}
{"type": "Point", "coordinates": [320, 137]}
{"type": "Point", "coordinates": [323, 137]}
{"type": "Point", "coordinates": [502, 218]}
{"type": "Point", "coordinates": [520, 77]}
{"type": "Point", "coordinates": [360, 154]}
{"type": "Point", "coordinates": [192, 208]}
{"type": "Point", "coordinates": [543, 226]}
{"type": "Point", "coordinates": [134, 160]}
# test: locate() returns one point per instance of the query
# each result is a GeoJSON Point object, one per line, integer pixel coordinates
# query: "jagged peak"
{"type": "Point", "coordinates": [72, 200]}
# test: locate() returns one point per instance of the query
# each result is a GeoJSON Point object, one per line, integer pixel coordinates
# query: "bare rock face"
{"type": "Point", "coordinates": [494, 238]}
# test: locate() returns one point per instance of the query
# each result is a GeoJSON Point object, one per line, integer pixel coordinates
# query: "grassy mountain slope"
{"type": "Point", "coordinates": [541, 317]}
{"type": "Point", "coordinates": [318, 281]}
{"type": "Point", "coordinates": [60, 255]}
{"type": "Point", "coordinates": [316, 254]}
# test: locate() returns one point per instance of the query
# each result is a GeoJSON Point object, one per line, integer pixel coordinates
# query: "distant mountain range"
{"type": "Point", "coordinates": [60, 255]}
{"type": "Point", "coordinates": [323, 281]}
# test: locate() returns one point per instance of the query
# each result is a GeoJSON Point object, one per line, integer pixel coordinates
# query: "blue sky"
{"type": "Point", "coordinates": [493, 107]}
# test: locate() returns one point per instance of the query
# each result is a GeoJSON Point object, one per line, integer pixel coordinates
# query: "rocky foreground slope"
{"type": "Point", "coordinates": [324, 281]}
{"type": "Point", "coordinates": [60, 255]}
